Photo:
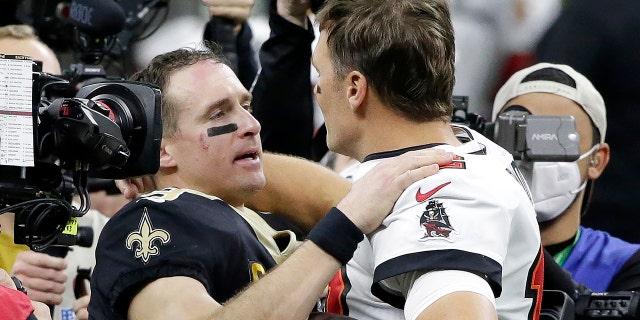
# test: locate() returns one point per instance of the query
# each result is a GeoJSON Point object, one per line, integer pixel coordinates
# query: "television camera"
{"type": "Point", "coordinates": [110, 129]}
{"type": "Point", "coordinates": [527, 137]}
{"type": "Point", "coordinates": [83, 124]}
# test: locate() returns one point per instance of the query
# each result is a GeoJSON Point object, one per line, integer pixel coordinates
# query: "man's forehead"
{"type": "Point", "coordinates": [34, 49]}
{"type": "Point", "coordinates": [204, 82]}
{"type": "Point", "coordinates": [321, 45]}
{"type": "Point", "coordinates": [203, 68]}
{"type": "Point", "coordinates": [542, 103]}
{"type": "Point", "coordinates": [200, 69]}
{"type": "Point", "coordinates": [190, 77]}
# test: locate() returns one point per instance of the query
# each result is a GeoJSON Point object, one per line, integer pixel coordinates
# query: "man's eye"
{"type": "Point", "coordinates": [216, 115]}
{"type": "Point", "coordinates": [248, 107]}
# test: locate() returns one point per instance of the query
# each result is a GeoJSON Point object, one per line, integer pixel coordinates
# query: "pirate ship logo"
{"type": "Point", "coordinates": [435, 222]}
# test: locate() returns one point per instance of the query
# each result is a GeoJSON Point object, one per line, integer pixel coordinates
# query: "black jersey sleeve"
{"type": "Point", "coordinates": [169, 233]}
{"type": "Point", "coordinates": [144, 242]}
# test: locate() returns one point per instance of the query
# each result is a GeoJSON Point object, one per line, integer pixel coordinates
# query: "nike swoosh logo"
{"type": "Point", "coordinates": [421, 197]}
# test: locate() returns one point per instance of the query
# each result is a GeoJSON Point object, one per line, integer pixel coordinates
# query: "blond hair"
{"type": "Point", "coordinates": [18, 31]}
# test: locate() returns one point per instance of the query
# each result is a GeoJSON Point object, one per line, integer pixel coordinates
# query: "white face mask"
{"type": "Point", "coordinates": [554, 185]}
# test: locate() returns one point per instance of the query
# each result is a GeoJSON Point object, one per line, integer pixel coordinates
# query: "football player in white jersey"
{"type": "Point", "coordinates": [461, 244]}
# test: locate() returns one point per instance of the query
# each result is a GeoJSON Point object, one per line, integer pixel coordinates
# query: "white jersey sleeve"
{"type": "Point", "coordinates": [427, 288]}
{"type": "Point", "coordinates": [450, 221]}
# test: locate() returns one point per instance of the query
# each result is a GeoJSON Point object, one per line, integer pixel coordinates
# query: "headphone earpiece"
{"type": "Point", "coordinates": [593, 162]}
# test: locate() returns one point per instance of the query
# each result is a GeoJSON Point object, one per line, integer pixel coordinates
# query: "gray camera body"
{"type": "Point", "coordinates": [537, 138]}
{"type": "Point", "coordinates": [527, 137]}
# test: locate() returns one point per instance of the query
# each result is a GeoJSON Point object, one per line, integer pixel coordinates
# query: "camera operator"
{"type": "Point", "coordinates": [561, 190]}
{"type": "Point", "coordinates": [15, 305]}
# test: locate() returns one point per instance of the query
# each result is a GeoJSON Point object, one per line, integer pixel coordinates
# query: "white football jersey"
{"type": "Point", "coordinates": [474, 215]}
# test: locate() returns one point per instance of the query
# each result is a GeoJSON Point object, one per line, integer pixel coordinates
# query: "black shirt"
{"type": "Point", "coordinates": [174, 232]}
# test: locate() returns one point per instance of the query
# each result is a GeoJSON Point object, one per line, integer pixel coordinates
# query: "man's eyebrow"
{"type": "Point", "coordinates": [218, 104]}
{"type": "Point", "coordinates": [247, 96]}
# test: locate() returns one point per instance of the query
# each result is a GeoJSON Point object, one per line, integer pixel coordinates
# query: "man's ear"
{"type": "Point", "coordinates": [357, 88]}
{"type": "Point", "coordinates": [166, 154]}
{"type": "Point", "coordinates": [598, 161]}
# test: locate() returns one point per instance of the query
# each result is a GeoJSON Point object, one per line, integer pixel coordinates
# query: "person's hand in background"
{"type": "Point", "coordinates": [295, 11]}
{"type": "Point", "coordinates": [236, 10]}
{"type": "Point", "coordinates": [43, 275]}
{"type": "Point", "coordinates": [133, 187]}
{"type": "Point", "coordinates": [80, 307]}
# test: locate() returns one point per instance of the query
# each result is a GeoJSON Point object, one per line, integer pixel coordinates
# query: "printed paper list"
{"type": "Point", "coordinates": [16, 116]}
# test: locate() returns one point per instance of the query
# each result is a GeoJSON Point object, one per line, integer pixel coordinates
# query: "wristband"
{"type": "Point", "coordinates": [336, 235]}
{"type": "Point", "coordinates": [19, 285]}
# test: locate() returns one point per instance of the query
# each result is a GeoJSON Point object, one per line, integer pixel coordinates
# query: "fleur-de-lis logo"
{"type": "Point", "coordinates": [144, 236]}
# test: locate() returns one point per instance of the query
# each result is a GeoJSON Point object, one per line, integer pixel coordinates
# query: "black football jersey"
{"type": "Point", "coordinates": [174, 232]}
